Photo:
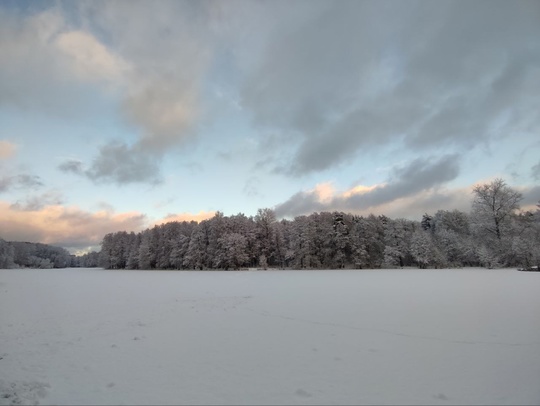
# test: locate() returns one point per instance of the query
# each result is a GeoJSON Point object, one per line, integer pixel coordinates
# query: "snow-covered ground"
{"type": "Point", "coordinates": [83, 336]}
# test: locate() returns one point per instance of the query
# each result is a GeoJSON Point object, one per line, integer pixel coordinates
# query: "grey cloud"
{"type": "Point", "coordinates": [71, 229]}
{"type": "Point", "coordinates": [337, 145]}
{"type": "Point", "coordinates": [165, 110]}
{"type": "Point", "coordinates": [27, 181]}
{"type": "Point", "coordinates": [21, 181]}
{"type": "Point", "coordinates": [443, 199]}
{"type": "Point", "coordinates": [118, 163]}
{"type": "Point", "coordinates": [72, 165]}
{"type": "Point", "coordinates": [305, 73]}
{"type": "Point", "coordinates": [35, 75]}
{"type": "Point", "coordinates": [418, 176]}
{"type": "Point", "coordinates": [34, 203]}
{"type": "Point", "coordinates": [170, 46]}
{"type": "Point", "coordinates": [152, 59]}
{"type": "Point", "coordinates": [301, 203]}
{"type": "Point", "coordinates": [336, 78]}
{"type": "Point", "coordinates": [357, 75]}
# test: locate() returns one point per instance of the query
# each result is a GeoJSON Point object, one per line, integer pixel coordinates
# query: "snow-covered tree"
{"type": "Point", "coordinates": [424, 250]}
{"type": "Point", "coordinates": [526, 240]}
{"type": "Point", "coordinates": [88, 260]}
{"type": "Point", "coordinates": [453, 239]}
{"type": "Point", "coordinates": [340, 241]}
{"type": "Point", "coordinates": [397, 238]}
{"type": "Point", "coordinates": [367, 242]}
{"type": "Point", "coordinates": [280, 243]}
{"type": "Point", "coordinates": [179, 251]}
{"type": "Point", "coordinates": [265, 234]}
{"type": "Point", "coordinates": [7, 255]}
{"type": "Point", "coordinates": [132, 261]}
{"type": "Point", "coordinates": [146, 256]}
{"type": "Point", "coordinates": [37, 255]}
{"type": "Point", "coordinates": [234, 247]}
{"type": "Point", "coordinates": [493, 235]}
{"type": "Point", "coordinates": [302, 252]}
{"type": "Point", "coordinates": [426, 221]}
{"type": "Point", "coordinates": [493, 206]}
{"type": "Point", "coordinates": [195, 257]}
{"type": "Point", "coordinates": [493, 209]}
{"type": "Point", "coordinates": [454, 220]}
{"type": "Point", "coordinates": [487, 257]}
{"type": "Point", "coordinates": [216, 227]}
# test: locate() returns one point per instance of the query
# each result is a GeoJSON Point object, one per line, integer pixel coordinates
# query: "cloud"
{"type": "Point", "coordinates": [45, 219]}
{"type": "Point", "coordinates": [165, 111]}
{"type": "Point", "coordinates": [166, 50]}
{"type": "Point", "coordinates": [330, 81]}
{"type": "Point", "coordinates": [118, 163]}
{"type": "Point", "coordinates": [72, 165]}
{"type": "Point", "coordinates": [46, 65]}
{"type": "Point", "coordinates": [35, 203]}
{"type": "Point", "coordinates": [7, 149]}
{"type": "Point", "coordinates": [351, 77]}
{"type": "Point", "coordinates": [21, 181]}
{"type": "Point", "coordinates": [153, 66]}
{"type": "Point", "coordinates": [68, 227]}
{"type": "Point", "coordinates": [90, 59]}
{"type": "Point", "coordinates": [421, 179]}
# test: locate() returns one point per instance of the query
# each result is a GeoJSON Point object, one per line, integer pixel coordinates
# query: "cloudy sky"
{"type": "Point", "coordinates": [121, 115]}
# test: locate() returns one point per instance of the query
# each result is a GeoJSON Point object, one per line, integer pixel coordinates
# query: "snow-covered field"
{"type": "Point", "coordinates": [83, 336]}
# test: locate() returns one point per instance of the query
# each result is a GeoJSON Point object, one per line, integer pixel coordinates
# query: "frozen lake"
{"type": "Point", "coordinates": [89, 336]}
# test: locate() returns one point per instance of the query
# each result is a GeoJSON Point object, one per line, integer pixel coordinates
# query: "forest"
{"type": "Point", "coordinates": [15, 254]}
{"type": "Point", "coordinates": [493, 234]}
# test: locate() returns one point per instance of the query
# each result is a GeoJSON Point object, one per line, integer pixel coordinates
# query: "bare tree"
{"type": "Point", "coordinates": [493, 205]}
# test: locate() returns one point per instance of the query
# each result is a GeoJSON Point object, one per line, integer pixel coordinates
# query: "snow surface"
{"type": "Point", "coordinates": [87, 336]}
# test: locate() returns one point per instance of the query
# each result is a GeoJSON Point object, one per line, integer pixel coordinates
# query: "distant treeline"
{"type": "Point", "coordinates": [492, 235]}
{"type": "Point", "coordinates": [35, 255]}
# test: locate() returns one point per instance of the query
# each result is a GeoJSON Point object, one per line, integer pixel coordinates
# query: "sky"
{"type": "Point", "coordinates": [121, 115]}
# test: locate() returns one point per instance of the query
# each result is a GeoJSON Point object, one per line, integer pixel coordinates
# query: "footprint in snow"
{"type": "Point", "coordinates": [22, 393]}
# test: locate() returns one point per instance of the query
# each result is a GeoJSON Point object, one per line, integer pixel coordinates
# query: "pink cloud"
{"type": "Point", "coordinates": [66, 226]}
{"type": "Point", "coordinates": [74, 228]}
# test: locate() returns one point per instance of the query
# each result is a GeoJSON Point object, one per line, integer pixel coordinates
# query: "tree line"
{"type": "Point", "coordinates": [493, 234]}
{"type": "Point", "coordinates": [17, 254]}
